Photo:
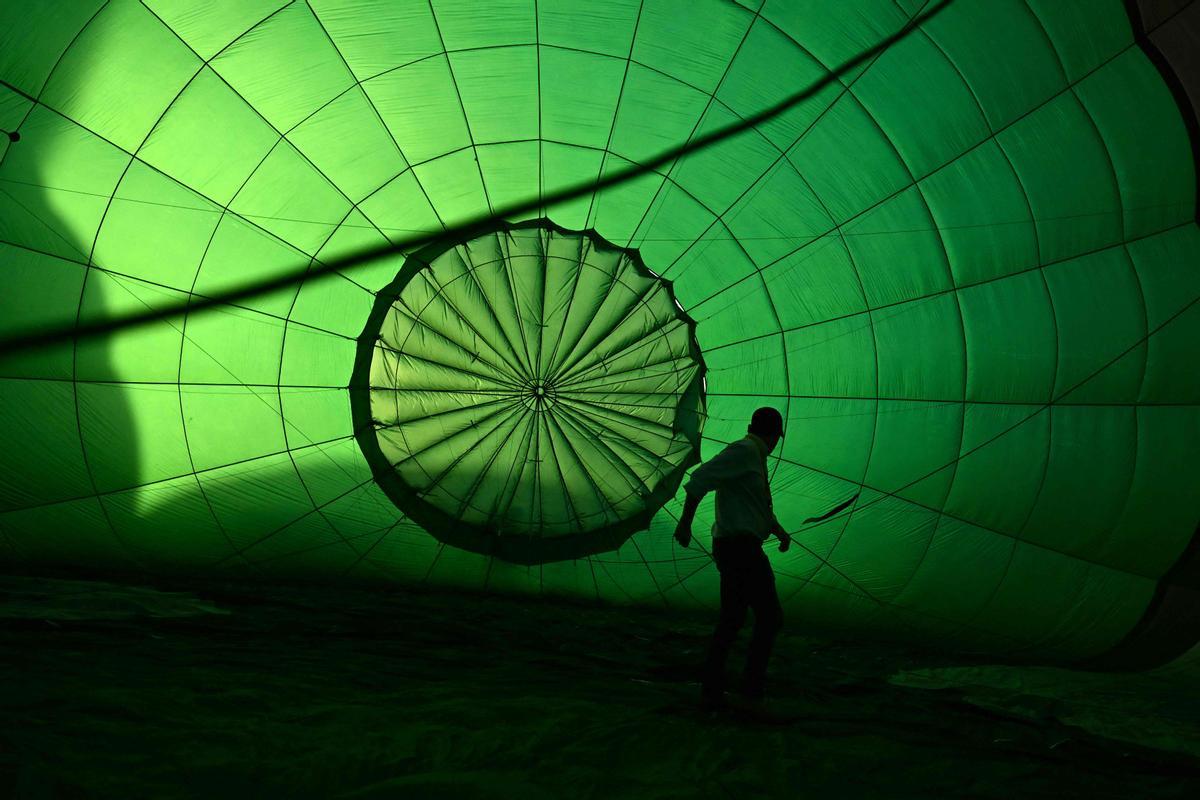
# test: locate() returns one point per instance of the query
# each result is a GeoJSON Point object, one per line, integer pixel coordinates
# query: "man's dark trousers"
{"type": "Point", "coordinates": [746, 582]}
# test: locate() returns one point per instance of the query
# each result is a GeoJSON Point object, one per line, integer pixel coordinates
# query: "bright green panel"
{"type": "Point", "coordinates": [1007, 87]}
{"type": "Point", "coordinates": [82, 171]}
{"type": "Point", "coordinates": [850, 343]}
{"type": "Point", "coordinates": [288, 197]}
{"type": "Point", "coordinates": [777, 215]}
{"type": "Point", "coordinates": [324, 308]}
{"type": "Point", "coordinates": [920, 473]}
{"type": "Point", "coordinates": [215, 351]}
{"type": "Point", "coordinates": [493, 89]}
{"type": "Point", "coordinates": [986, 233]}
{"type": "Point", "coordinates": [420, 107]}
{"type": "Point", "coordinates": [315, 415]}
{"type": "Point", "coordinates": [348, 143]}
{"type": "Point", "coordinates": [699, 286]}
{"type": "Point", "coordinates": [603, 27]}
{"type": "Point", "coordinates": [355, 233]}
{"type": "Point", "coordinates": [241, 251]}
{"type": "Point", "coordinates": [567, 166]}
{"type": "Point", "coordinates": [848, 180]}
{"type": "Point", "coordinates": [312, 357]}
{"type": "Point", "coordinates": [655, 111]}
{"type": "Point", "coordinates": [219, 417]}
{"type": "Point", "coordinates": [925, 140]}
{"type": "Point", "coordinates": [378, 35]}
{"type": "Point", "coordinates": [155, 229]}
{"type": "Point", "coordinates": [834, 34]}
{"type": "Point", "coordinates": [670, 225]}
{"type": "Point", "coordinates": [897, 252]}
{"type": "Point", "coordinates": [399, 208]}
{"type": "Point", "coordinates": [701, 53]}
{"type": "Point", "coordinates": [920, 346]}
{"type": "Point", "coordinates": [620, 213]}
{"type": "Point", "coordinates": [815, 283]}
{"type": "Point", "coordinates": [727, 412]}
{"type": "Point", "coordinates": [121, 99]}
{"type": "Point", "coordinates": [454, 186]}
{"type": "Point", "coordinates": [1007, 325]}
{"type": "Point", "coordinates": [568, 113]}
{"type": "Point", "coordinates": [212, 160]}
{"type": "Point", "coordinates": [314, 75]}
{"type": "Point", "coordinates": [502, 22]}
{"type": "Point", "coordinates": [208, 26]}
{"type": "Point", "coordinates": [752, 84]}
{"type": "Point", "coordinates": [831, 435]}
{"type": "Point", "coordinates": [14, 108]}
{"type": "Point", "coordinates": [738, 314]}
{"type": "Point", "coordinates": [1003, 457]}
{"type": "Point", "coordinates": [1074, 198]}
{"type": "Point", "coordinates": [719, 178]}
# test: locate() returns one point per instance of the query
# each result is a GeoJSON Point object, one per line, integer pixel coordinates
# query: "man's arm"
{"type": "Point", "coordinates": [728, 463]}
{"type": "Point", "coordinates": [683, 531]}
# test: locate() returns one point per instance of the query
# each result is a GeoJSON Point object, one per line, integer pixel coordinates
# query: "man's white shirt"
{"type": "Point", "coordinates": [738, 474]}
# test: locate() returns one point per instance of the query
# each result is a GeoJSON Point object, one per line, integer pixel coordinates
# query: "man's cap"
{"type": "Point", "coordinates": [767, 421]}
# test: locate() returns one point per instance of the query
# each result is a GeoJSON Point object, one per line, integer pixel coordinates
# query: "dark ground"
{"type": "Point", "coordinates": [228, 690]}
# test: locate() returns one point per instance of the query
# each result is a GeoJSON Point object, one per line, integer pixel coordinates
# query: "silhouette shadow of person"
{"type": "Point", "coordinates": [66, 411]}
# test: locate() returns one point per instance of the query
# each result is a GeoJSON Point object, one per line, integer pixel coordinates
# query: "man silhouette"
{"type": "Point", "coordinates": [745, 520]}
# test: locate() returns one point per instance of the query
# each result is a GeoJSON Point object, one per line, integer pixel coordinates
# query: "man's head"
{"type": "Point", "coordinates": [767, 424]}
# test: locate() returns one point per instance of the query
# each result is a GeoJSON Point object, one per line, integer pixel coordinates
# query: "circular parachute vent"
{"type": "Point", "coordinates": [532, 393]}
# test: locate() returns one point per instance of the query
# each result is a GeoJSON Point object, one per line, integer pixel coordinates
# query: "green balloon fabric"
{"type": "Point", "coordinates": [965, 272]}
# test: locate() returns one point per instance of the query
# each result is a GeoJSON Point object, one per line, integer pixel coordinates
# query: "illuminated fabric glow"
{"type": "Point", "coordinates": [966, 273]}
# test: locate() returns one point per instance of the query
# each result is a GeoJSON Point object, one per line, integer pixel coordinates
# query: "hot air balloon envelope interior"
{"type": "Point", "coordinates": [447, 398]}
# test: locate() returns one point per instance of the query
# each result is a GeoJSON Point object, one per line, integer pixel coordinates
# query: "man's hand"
{"type": "Point", "coordinates": [683, 532]}
{"type": "Point", "coordinates": [785, 538]}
